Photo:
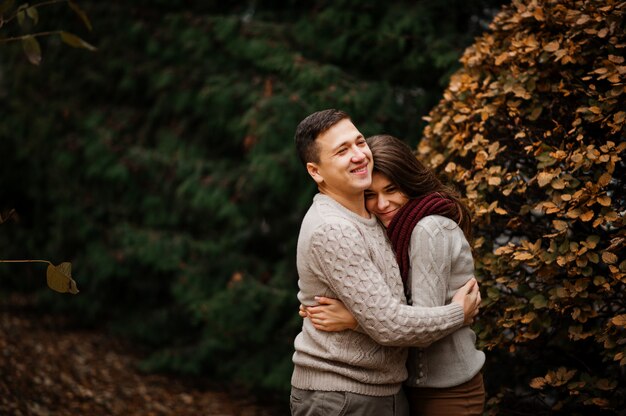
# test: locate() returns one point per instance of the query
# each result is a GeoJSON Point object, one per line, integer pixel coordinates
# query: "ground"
{"type": "Point", "coordinates": [48, 367]}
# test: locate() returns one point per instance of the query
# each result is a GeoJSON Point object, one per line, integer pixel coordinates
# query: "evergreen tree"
{"type": "Point", "coordinates": [163, 166]}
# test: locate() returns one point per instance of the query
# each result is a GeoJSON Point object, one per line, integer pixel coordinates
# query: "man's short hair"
{"type": "Point", "coordinates": [310, 128]}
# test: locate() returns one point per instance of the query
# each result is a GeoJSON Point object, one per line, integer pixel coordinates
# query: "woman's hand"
{"type": "Point", "coordinates": [330, 315]}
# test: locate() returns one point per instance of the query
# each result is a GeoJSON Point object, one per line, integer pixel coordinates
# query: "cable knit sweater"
{"type": "Point", "coordinates": [344, 256]}
{"type": "Point", "coordinates": [440, 263]}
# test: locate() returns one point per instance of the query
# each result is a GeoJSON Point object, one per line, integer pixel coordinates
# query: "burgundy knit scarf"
{"type": "Point", "coordinates": [405, 220]}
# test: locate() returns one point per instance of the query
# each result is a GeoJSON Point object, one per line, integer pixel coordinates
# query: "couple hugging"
{"type": "Point", "coordinates": [384, 264]}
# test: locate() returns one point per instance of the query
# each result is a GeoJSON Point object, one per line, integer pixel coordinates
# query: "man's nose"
{"type": "Point", "coordinates": [357, 154]}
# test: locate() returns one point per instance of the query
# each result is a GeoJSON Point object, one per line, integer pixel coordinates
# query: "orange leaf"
{"type": "Point", "coordinates": [552, 46]}
{"type": "Point", "coordinates": [544, 178]}
{"type": "Point", "coordinates": [524, 255]}
{"type": "Point", "coordinates": [604, 179]}
{"type": "Point", "coordinates": [558, 183]}
{"type": "Point", "coordinates": [619, 320]}
{"type": "Point", "coordinates": [604, 200]}
{"type": "Point", "coordinates": [459, 118]}
{"type": "Point", "coordinates": [609, 258]}
{"type": "Point", "coordinates": [537, 382]}
{"type": "Point", "coordinates": [586, 216]}
{"type": "Point", "coordinates": [501, 58]}
{"type": "Point", "coordinates": [583, 19]}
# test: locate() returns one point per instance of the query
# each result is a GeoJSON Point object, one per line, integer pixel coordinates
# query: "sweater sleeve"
{"type": "Point", "coordinates": [348, 269]}
{"type": "Point", "coordinates": [432, 251]}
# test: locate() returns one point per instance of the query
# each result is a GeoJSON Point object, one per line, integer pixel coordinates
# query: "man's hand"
{"type": "Point", "coordinates": [469, 298]}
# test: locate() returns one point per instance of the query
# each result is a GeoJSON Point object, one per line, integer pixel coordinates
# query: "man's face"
{"type": "Point", "coordinates": [345, 162]}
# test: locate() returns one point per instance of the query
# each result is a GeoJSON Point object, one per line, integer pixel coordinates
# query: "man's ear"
{"type": "Point", "coordinates": [314, 171]}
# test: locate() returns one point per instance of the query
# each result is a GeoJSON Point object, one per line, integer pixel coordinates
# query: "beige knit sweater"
{"type": "Point", "coordinates": [347, 257]}
{"type": "Point", "coordinates": [441, 262]}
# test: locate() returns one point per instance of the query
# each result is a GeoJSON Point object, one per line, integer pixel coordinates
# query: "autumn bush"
{"type": "Point", "coordinates": [531, 130]}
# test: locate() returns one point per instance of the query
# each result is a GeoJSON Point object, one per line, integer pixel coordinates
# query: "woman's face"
{"type": "Point", "coordinates": [383, 198]}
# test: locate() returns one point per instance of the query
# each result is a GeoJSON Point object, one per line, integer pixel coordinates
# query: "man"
{"type": "Point", "coordinates": [343, 253]}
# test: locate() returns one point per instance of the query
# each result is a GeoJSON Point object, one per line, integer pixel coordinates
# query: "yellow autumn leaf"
{"type": "Point", "coordinates": [60, 278]}
{"type": "Point", "coordinates": [76, 42]}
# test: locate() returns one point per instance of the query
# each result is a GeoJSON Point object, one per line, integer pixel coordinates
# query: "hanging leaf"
{"type": "Point", "coordinates": [21, 17]}
{"type": "Point", "coordinates": [81, 14]}
{"type": "Point", "coordinates": [76, 42]}
{"type": "Point", "coordinates": [32, 49]}
{"type": "Point", "coordinates": [60, 278]}
{"type": "Point", "coordinates": [33, 14]}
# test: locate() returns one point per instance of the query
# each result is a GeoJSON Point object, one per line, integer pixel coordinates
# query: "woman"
{"type": "Point", "coordinates": [429, 228]}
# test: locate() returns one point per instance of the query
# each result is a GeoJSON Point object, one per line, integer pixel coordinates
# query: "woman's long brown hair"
{"type": "Point", "coordinates": [395, 159]}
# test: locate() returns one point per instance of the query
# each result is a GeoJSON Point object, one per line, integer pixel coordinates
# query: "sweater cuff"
{"type": "Point", "coordinates": [359, 329]}
{"type": "Point", "coordinates": [457, 315]}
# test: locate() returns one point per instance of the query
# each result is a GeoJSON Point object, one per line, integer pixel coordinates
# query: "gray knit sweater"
{"type": "Point", "coordinates": [344, 256]}
{"type": "Point", "coordinates": [441, 262]}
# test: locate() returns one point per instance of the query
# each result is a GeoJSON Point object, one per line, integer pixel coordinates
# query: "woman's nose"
{"type": "Point", "coordinates": [382, 202]}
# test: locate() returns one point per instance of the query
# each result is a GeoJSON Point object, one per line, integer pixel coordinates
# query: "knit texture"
{"type": "Point", "coordinates": [344, 256]}
{"type": "Point", "coordinates": [441, 262]}
{"type": "Point", "coordinates": [402, 225]}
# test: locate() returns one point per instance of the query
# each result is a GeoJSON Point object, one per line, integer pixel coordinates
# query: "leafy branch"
{"type": "Point", "coordinates": [30, 44]}
{"type": "Point", "coordinates": [59, 277]}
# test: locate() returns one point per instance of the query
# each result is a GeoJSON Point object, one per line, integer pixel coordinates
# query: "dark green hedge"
{"type": "Point", "coordinates": [162, 165]}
